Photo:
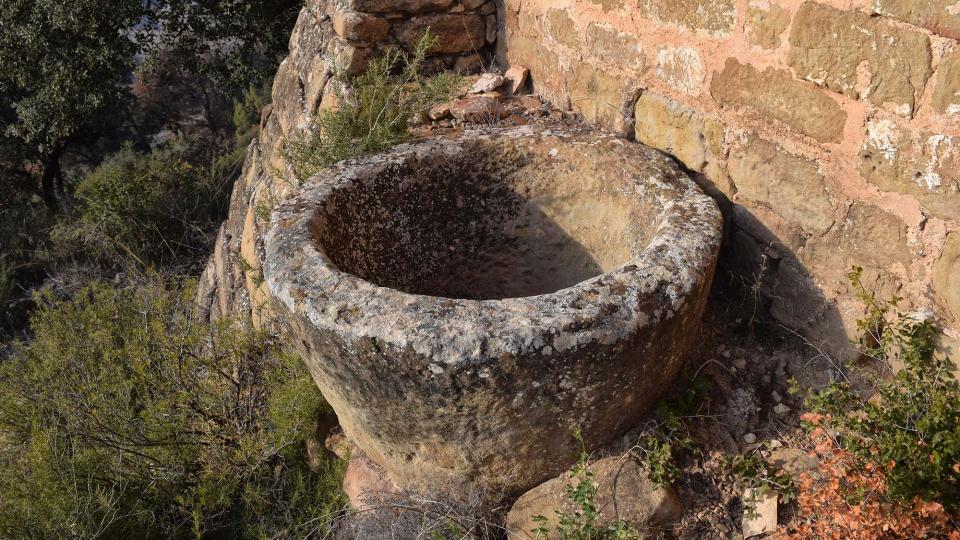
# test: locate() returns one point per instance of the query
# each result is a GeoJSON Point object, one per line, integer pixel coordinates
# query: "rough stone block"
{"type": "Point", "coordinates": [561, 28]}
{"type": "Point", "coordinates": [603, 99]}
{"type": "Point", "coordinates": [946, 274]}
{"type": "Point", "coordinates": [792, 186]}
{"type": "Point", "coordinates": [766, 23]}
{"type": "Point", "coordinates": [946, 96]}
{"type": "Point", "coordinates": [456, 32]}
{"type": "Point", "coordinates": [938, 16]}
{"type": "Point", "coordinates": [716, 18]}
{"type": "Point", "coordinates": [775, 94]}
{"type": "Point", "coordinates": [860, 56]}
{"type": "Point", "coordinates": [925, 166]}
{"type": "Point", "coordinates": [624, 492]}
{"type": "Point", "coordinates": [690, 136]}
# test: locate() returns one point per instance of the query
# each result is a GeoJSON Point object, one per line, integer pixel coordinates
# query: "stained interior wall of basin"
{"type": "Point", "coordinates": [491, 222]}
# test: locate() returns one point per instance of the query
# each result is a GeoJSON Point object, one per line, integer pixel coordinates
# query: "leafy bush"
{"type": "Point", "coordinates": [161, 207]}
{"type": "Point", "coordinates": [373, 110]}
{"type": "Point", "coordinates": [911, 425]}
{"type": "Point", "coordinates": [127, 417]}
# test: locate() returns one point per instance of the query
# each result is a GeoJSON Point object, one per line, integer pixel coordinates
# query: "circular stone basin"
{"type": "Point", "coordinates": [466, 304]}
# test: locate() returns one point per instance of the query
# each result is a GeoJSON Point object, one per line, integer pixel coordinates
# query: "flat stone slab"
{"type": "Point", "coordinates": [466, 303]}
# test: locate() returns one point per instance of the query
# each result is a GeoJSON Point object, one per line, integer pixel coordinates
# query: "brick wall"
{"type": "Point", "coordinates": [829, 131]}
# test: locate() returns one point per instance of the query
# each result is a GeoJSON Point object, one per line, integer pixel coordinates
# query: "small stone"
{"type": "Point", "coordinates": [478, 110]}
{"type": "Point", "coordinates": [439, 112]}
{"type": "Point", "coordinates": [515, 79]}
{"type": "Point", "coordinates": [760, 512]}
{"type": "Point", "coordinates": [781, 409]}
{"type": "Point", "coordinates": [530, 103]}
{"type": "Point", "coordinates": [776, 396]}
{"type": "Point", "coordinates": [739, 363]}
{"type": "Point", "coordinates": [488, 82]}
{"type": "Point", "coordinates": [750, 438]}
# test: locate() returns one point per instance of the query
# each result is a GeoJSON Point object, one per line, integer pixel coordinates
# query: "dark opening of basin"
{"type": "Point", "coordinates": [491, 223]}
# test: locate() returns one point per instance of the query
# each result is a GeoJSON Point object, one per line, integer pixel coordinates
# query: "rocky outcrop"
{"type": "Point", "coordinates": [465, 303]}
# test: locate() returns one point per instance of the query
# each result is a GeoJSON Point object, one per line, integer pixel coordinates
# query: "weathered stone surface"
{"type": "Point", "coordinates": [681, 68]}
{"type": "Point", "coordinates": [946, 96]}
{"type": "Point", "coordinates": [365, 483]}
{"type": "Point", "coordinates": [869, 237]}
{"type": "Point", "coordinates": [624, 493]}
{"type": "Point", "coordinates": [946, 274]}
{"type": "Point", "coordinates": [561, 28]}
{"type": "Point", "coordinates": [939, 16]}
{"type": "Point", "coordinates": [692, 137]}
{"type": "Point", "coordinates": [602, 98]}
{"type": "Point", "coordinates": [766, 24]}
{"type": "Point", "coordinates": [399, 6]}
{"type": "Point", "coordinates": [612, 47]}
{"type": "Point", "coordinates": [609, 5]}
{"type": "Point", "coordinates": [478, 109]}
{"type": "Point", "coordinates": [925, 166]}
{"type": "Point", "coordinates": [488, 82]}
{"type": "Point", "coordinates": [359, 27]}
{"type": "Point", "coordinates": [715, 18]}
{"type": "Point", "coordinates": [775, 94]}
{"type": "Point", "coordinates": [456, 32]}
{"type": "Point", "coordinates": [860, 56]}
{"type": "Point", "coordinates": [463, 303]}
{"type": "Point", "coordinates": [791, 185]}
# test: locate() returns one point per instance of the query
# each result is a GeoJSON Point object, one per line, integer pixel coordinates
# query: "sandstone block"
{"type": "Point", "coordinates": [765, 26]}
{"type": "Point", "coordinates": [456, 33]}
{"type": "Point", "coordinates": [946, 96]}
{"type": "Point", "coordinates": [609, 5]}
{"type": "Point", "coordinates": [715, 18]}
{"type": "Point", "coordinates": [620, 50]}
{"type": "Point", "coordinates": [515, 79]}
{"type": "Point", "coordinates": [692, 137]}
{"type": "Point", "coordinates": [776, 95]}
{"type": "Point", "coordinates": [792, 186]}
{"type": "Point", "coordinates": [946, 274]}
{"type": "Point", "coordinates": [681, 68]}
{"type": "Point", "coordinates": [562, 29]}
{"type": "Point", "coordinates": [624, 492]}
{"type": "Point", "coordinates": [359, 27]}
{"type": "Point", "coordinates": [602, 98]}
{"type": "Point", "coordinates": [926, 166]}
{"type": "Point", "coordinates": [478, 110]}
{"type": "Point", "coordinates": [860, 56]}
{"type": "Point", "coordinates": [938, 16]}
{"type": "Point", "coordinates": [760, 512]}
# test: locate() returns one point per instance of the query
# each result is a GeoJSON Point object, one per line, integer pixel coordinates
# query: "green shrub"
{"type": "Point", "coordinates": [161, 207]}
{"type": "Point", "coordinates": [911, 423]}
{"type": "Point", "coordinates": [373, 110]}
{"type": "Point", "coordinates": [128, 417]}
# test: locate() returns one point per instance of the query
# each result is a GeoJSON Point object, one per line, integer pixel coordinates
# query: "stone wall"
{"type": "Point", "coordinates": [330, 36]}
{"type": "Point", "coordinates": [829, 130]}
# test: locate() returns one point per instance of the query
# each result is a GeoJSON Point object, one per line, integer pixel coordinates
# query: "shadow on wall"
{"type": "Point", "coordinates": [761, 277]}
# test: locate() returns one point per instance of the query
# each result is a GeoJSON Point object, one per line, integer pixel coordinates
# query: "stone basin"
{"type": "Point", "coordinates": [465, 304]}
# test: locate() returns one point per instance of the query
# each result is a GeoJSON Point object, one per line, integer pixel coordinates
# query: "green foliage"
{"type": "Point", "coordinates": [584, 523]}
{"type": "Point", "coordinates": [128, 417]}
{"type": "Point", "coordinates": [751, 471]}
{"type": "Point", "coordinates": [911, 425]}
{"type": "Point", "coordinates": [373, 110]}
{"type": "Point", "coordinates": [159, 206]}
{"type": "Point", "coordinates": [233, 43]}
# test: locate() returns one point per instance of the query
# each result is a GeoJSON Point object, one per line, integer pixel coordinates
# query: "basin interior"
{"type": "Point", "coordinates": [490, 221]}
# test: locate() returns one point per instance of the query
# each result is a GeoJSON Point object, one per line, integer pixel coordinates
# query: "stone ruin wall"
{"type": "Point", "coordinates": [829, 130]}
{"type": "Point", "coordinates": [330, 36]}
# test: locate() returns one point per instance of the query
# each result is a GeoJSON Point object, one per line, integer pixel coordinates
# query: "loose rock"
{"type": "Point", "coordinates": [488, 82]}
{"type": "Point", "coordinates": [760, 512]}
{"type": "Point", "coordinates": [478, 110]}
